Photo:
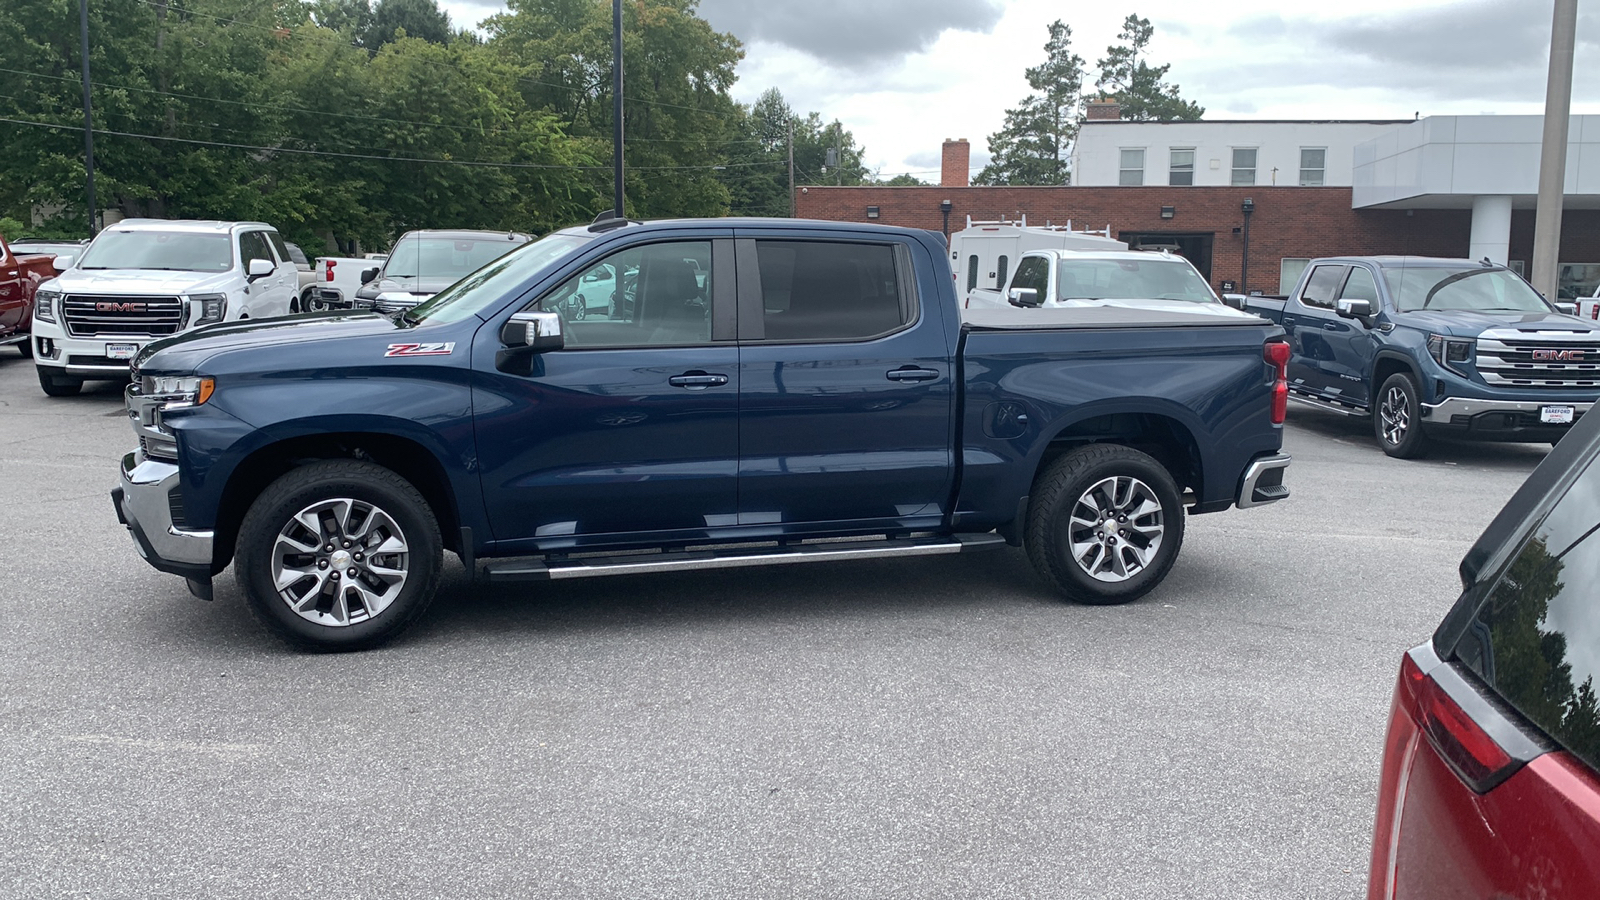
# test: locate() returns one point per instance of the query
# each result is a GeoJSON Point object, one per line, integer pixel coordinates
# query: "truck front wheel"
{"type": "Point", "coordinates": [338, 555]}
{"type": "Point", "coordinates": [1104, 524]}
{"type": "Point", "coordinates": [59, 385]}
{"type": "Point", "coordinates": [1398, 425]}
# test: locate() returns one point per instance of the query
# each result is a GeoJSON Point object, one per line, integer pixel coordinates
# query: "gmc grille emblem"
{"type": "Point", "coordinates": [104, 306]}
{"type": "Point", "coordinates": [1558, 356]}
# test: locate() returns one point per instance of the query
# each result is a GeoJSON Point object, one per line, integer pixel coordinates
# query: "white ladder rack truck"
{"type": "Point", "coordinates": [983, 253]}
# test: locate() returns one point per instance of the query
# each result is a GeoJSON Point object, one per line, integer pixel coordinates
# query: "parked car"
{"type": "Point", "coordinates": [983, 254]}
{"type": "Point", "coordinates": [1086, 278]}
{"type": "Point", "coordinates": [1490, 783]}
{"type": "Point", "coordinates": [47, 247]}
{"type": "Point", "coordinates": [338, 278]}
{"type": "Point", "coordinates": [144, 279]}
{"type": "Point", "coordinates": [422, 263]}
{"type": "Point", "coordinates": [1435, 347]}
{"type": "Point", "coordinates": [21, 273]}
{"type": "Point", "coordinates": [307, 283]}
{"type": "Point", "coordinates": [828, 404]}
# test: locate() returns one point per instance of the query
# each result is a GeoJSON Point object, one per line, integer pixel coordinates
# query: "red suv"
{"type": "Point", "coordinates": [1490, 785]}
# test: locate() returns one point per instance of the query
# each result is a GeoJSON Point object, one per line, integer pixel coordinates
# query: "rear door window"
{"type": "Point", "coordinates": [830, 290]}
{"type": "Point", "coordinates": [1536, 641]}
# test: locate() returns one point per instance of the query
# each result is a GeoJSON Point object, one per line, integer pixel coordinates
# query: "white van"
{"type": "Point", "coordinates": [143, 279]}
{"type": "Point", "coordinates": [983, 254]}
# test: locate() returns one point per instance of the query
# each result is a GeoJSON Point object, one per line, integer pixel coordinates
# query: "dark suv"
{"type": "Point", "coordinates": [1489, 785]}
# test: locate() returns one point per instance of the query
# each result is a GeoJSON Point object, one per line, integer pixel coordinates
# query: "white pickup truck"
{"type": "Point", "coordinates": [1083, 278]}
{"type": "Point", "coordinates": [144, 279]}
{"type": "Point", "coordinates": [339, 277]}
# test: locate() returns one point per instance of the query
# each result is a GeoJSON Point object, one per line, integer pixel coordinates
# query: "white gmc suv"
{"type": "Point", "coordinates": [144, 279]}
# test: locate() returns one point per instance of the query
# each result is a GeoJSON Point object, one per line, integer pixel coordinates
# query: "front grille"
{"type": "Point", "coordinates": [1539, 358]}
{"type": "Point", "coordinates": [89, 315]}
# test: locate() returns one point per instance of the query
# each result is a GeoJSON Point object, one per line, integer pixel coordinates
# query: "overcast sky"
{"type": "Point", "coordinates": [903, 75]}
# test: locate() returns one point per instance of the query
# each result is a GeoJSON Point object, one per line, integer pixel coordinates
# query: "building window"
{"type": "Point", "coordinates": [1132, 167]}
{"type": "Point", "coordinates": [1290, 268]}
{"type": "Point", "coordinates": [1181, 171]}
{"type": "Point", "coordinates": [1313, 166]}
{"type": "Point", "coordinates": [1244, 165]}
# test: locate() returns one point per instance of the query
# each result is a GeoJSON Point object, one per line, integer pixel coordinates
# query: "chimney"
{"type": "Point", "coordinates": [953, 168]}
{"type": "Point", "coordinates": [1103, 110]}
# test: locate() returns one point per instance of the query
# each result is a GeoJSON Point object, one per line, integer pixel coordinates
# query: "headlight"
{"type": "Point", "coordinates": [44, 305]}
{"type": "Point", "coordinates": [177, 391]}
{"type": "Point", "coordinates": [208, 308]}
{"type": "Point", "coordinates": [1449, 352]}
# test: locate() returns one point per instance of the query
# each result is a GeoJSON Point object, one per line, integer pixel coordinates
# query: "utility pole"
{"type": "Point", "coordinates": [616, 102]}
{"type": "Point", "coordinates": [88, 117]}
{"type": "Point", "coordinates": [791, 165]}
{"type": "Point", "coordinates": [1553, 154]}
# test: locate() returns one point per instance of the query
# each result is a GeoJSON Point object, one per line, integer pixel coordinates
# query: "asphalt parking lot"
{"type": "Point", "coordinates": [918, 728]}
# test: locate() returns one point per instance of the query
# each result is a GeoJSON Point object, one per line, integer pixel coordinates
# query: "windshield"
{"type": "Point", "coordinates": [495, 282]}
{"type": "Point", "coordinates": [443, 258]}
{"type": "Point", "coordinates": [174, 251]}
{"type": "Point", "coordinates": [1477, 288]}
{"type": "Point", "coordinates": [1131, 279]}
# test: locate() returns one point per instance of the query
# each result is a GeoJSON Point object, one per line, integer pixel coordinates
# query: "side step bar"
{"type": "Point", "coordinates": [733, 558]}
{"type": "Point", "coordinates": [1327, 405]}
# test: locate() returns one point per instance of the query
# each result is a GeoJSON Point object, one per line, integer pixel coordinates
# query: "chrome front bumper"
{"type": "Point", "coordinates": [144, 502]}
{"type": "Point", "coordinates": [1445, 410]}
{"type": "Point", "coordinates": [1263, 481]}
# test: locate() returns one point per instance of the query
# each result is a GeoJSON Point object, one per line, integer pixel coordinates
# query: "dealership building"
{"type": "Point", "coordinates": [1250, 201]}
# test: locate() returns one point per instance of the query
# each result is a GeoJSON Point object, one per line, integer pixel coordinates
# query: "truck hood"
{"type": "Point", "coordinates": [1470, 324]}
{"type": "Point", "coordinates": [187, 352]}
{"type": "Point", "coordinates": [1170, 306]}
{"type": "Point", "coordinates": [143, 282]}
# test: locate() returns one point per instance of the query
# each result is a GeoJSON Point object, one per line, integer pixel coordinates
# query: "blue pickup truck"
{"type": "Point", "coordinates": [1435, 347]}
{"type": "Point", "coordinates": [757, 393]}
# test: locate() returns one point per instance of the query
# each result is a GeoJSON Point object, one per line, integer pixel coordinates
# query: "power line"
{"type": "Point", "coordinates": [332, 153]}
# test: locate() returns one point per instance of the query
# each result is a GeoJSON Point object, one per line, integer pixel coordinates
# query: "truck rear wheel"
{"type": "Point", "coordinates": [26, 348]}
{"type": "Point", "coordinates": [338, 555]}
{"type": "Point", "coordinates": [1105, 523]}
{"type": "Point", "coordinates": [59, 385]}
{"type": "Point", "coordinates": [1397, 424]}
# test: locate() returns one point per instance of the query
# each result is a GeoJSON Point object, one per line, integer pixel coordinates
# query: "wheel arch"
{"type": "Point", "coordinates": [1162, 433]}
{"type": "Point", "coordinates": [406, 456]}
{"type": "Point", "coordinates": [1386, 364]}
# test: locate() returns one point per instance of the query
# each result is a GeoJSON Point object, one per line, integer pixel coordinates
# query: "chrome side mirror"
{"type": "Point", "coordinates": [1027, 298]}
{"type": "Point", "coordinates": [1563, 306]}
{"type": "Point", "coordinates": [534, 332]}
{"type": "Point", "coordinates": [1354, 309]}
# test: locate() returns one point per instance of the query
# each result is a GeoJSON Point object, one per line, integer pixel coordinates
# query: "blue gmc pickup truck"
{"type": "Point", "coordinates": [1435, 347]}
{"type": "Point", "coordinates": [756, 392]}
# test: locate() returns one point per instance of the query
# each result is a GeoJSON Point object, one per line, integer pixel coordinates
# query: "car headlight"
{"type": "Point", "coordinates": [1450, 352]}
{"type": "Point", "coordinates": [44, 305]}
{"type": "Point", "coordinates": [177, 391]}
{"type": "Point", "coordinates": [208, 308]}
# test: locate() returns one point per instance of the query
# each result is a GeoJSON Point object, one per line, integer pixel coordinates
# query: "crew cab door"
{"type": "Point", "coordinates": [1349, 343]}
{"type": "Point", "coordinates": [845, 390]}
{"type": "Point", "coordinates": [1311, 324]}
{"type": "Point", "coordinates": [269, 295]}
{"type": "Point", "coordinates": [630, 433]}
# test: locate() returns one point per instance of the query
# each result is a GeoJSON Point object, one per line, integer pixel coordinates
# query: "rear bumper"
{"type": "Point", "coordinates": [144, 502]}
{"type": "Point", "coordinates": [1495, 420]}
{"type": "Point", "coordinates": [1263, 481]}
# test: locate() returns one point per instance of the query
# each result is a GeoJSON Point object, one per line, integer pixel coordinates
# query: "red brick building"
{"type": "Point", "coordinates": [1206, 224]}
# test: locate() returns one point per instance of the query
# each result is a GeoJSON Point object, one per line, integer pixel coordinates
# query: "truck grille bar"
{"type": "Point", "coordinates": [90, 315]}
{"type": "Point", "coordinates": [1539, 358]}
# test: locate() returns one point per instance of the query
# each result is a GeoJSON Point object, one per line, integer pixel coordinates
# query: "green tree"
{"type": "Point", "coordinates": [1137, 86]}
{"type": "Point", "coordinates": [417, 18]}
{"type": "Point", "coordinates": [1033, 145]}
{"type": "Point", "coordinates": [905, 180]}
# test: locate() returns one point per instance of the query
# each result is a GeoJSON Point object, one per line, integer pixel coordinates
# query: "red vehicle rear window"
{"type": "Point", "coordinates": [1536, 640]}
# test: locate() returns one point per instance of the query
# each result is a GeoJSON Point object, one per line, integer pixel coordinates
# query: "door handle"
{"type": "Point", "coordinates": [1329, 326]}
{"type": "Point", "coordinates": [697, 380]}
{"type": "Point", "coordinates": [912, 373]}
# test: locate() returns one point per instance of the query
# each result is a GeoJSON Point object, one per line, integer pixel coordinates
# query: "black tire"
{"type": "Point", "coordinates": [59, 385]}
{"type": "Point", "coordinates": [1057, 494]}
{"type": "Point", "coordinates": [1397, 418]}
{"type": "Point", "coordinates": [26, 348]}
{"type": "Point", "coordinates": [367, 485]}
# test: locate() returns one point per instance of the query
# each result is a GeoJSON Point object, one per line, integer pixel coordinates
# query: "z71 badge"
{"type": "Point", "coordinates": [421, 349]}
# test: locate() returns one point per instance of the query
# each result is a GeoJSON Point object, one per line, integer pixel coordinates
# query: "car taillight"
{"type": "Point", "coordinates": [1470, 751]}
{"type": "Point", "coordinates": [1276, 353]}
{"type": "Point", "coordinates": [330, 270]}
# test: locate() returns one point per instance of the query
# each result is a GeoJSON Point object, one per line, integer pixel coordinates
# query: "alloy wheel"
{"type": "Point", "coordinates": [1116, 528]}
{"type": "Point", "coordinates": [1395, 411]}
{"type": "Point", "coordinates": [340, 562]}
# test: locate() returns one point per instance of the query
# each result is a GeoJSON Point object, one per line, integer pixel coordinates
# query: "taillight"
{"type": "Point", "coordinates": [1462, 743]}
{"type": "Point", "coordinates": [330, 270]}
{"type": "Point", "coordinates": [1276, 353]}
